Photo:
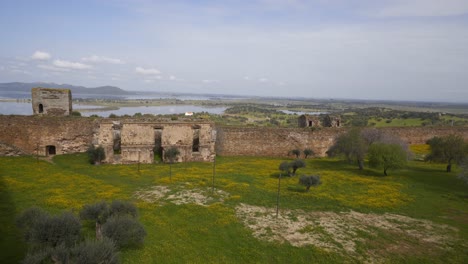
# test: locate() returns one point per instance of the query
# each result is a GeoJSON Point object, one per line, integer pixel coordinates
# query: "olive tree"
{"type": "Point", "coordinates": [296, 164]}
{"type": "Point", "coordinates": [97, 212]}
{"type": "Point", "coordinates": [100, 212]}
{"type": "Point", "coordinates": [125, 231]}
{"type": "Point", "coordinates": [296, 152]}
{"type": "Point", "coordinates": [57, 238]}
{"type": "Point", "coordinates": [351, 145]}
{"type": "Point", "coordinates": [285, 167]}
{"type": "Point", "coordinates": [309, 181]}
{"type": "Point", "coordinates": [42, 230]}
{"type": "Point", "coordinates": [387, 156]}
{"type": "Point", "coordinates": [449, 149]}
{"type": "Point", "coordinates": [94, 251]}
{"type": "Point", "coordinates": [308, 152]}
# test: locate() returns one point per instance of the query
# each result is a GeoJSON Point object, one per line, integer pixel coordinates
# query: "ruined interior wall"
{"type": "Point", "coordinates": [105, 139]}
{"type": "Point", "coordinates": [137, 134]}
{"type": "Point", "coordinates": [278, 142]}
{"type": "Point", "coordinates": [26, 133]}
{"type": "Point", "coordinates": [56, 102]}
{"type": "Point", "coordinates": [182, 135]}
{"type": "Point", "coordinates": [137, 143]}
{"type": "Point", "coordinates": [138, 140]}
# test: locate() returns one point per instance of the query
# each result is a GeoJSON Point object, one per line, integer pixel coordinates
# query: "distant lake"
{"type": "Point", "coordinates": [302, 113]}
{"type": "Point", "coordinates": [15, 108]}
{"type": "Point", "coordinates": [22, 108]}
{"type": "Point", "coordinates": [158, 110]}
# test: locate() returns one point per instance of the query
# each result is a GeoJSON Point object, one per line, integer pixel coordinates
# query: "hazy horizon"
{"type": "Point", "coordinates": [389, 50]}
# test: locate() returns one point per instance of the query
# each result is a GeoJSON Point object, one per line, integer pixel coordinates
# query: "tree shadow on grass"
{"type": "Point", "coordinates": [283, 176]}
{"type": "Point", "coordinates": [298, 189]}
{"type": "Point", "coordinates": [12, 246]}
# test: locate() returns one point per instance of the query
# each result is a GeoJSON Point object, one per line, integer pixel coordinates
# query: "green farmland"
{"type": "Point", "coordinates": [415, 215]}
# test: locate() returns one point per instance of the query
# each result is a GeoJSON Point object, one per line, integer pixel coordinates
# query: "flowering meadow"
{"type": "Point", "coordinates": [190, 220]}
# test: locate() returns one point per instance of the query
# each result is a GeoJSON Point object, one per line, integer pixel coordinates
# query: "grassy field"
{"type": "Point", "coordinates": [418, 214]}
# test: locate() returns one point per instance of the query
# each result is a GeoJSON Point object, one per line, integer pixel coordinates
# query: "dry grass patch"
{"type": "Point", "coordinates": [350, 233]}
{"type": "Point", "coordinates": [178, 195]}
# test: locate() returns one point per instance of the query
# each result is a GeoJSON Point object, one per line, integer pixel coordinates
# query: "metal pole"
{"type": "Point", "coordinates": [278, 196]}
{"type": "Point", "coordinates": [138, 161]}
{"type": "Point", "coordinates": [214, 173]}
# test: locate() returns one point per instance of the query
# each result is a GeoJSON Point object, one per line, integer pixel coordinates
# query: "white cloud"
{"type": "Point", "coordinates": [246, 78]}
{"type": "Point", "coordinates": [101, 59]}
{"type": "Point", "coordinates": [71, 65]}
{"type": "Point", "coordinates": [263, 80]}
{"type": "Point", "coordinates": [172, 78]}
{"type": "Point", "coordinates": [424, 8]}
{"type": "Point", "coordinates": [149, 71]}
{"type": "Point", "coordinates": [52, 68]}
{"type": "Point", "coordinates": [41, 55]}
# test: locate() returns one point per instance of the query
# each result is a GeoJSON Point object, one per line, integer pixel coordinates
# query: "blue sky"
{"type": "Point", "coordinates": [363, 49]}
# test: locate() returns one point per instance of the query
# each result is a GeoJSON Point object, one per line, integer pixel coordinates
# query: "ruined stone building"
{"type": "Point", "coordinates": [137, 142]}
{"type": "Point", "coordinates": [332, 121]}
{"type": "Point", "coordinates": [309, 121]}
{"type": "Point", "coordinates": [55, 102]}
{"type": "Point", "coordinates": [314, 121]}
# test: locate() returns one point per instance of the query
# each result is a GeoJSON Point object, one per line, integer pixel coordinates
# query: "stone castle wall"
{"type": "Point", "coordinates": [32, 134]}
{"type": "Point", "coordinates": [235, 141]}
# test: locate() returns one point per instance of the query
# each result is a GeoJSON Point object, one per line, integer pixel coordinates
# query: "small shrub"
{"type": "Point", "coordinates": [75, 113]}
{"type": "Point", "coordinates": [96, 155]}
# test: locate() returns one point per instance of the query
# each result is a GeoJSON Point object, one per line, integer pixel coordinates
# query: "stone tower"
{"type": "Point", "coordinates": [55, 102]}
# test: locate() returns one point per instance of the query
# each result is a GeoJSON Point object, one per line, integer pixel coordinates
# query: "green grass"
{"type": "Point", "coordinates": [396, 122]}
{"type": "Point", "coordinates": [213, 233]}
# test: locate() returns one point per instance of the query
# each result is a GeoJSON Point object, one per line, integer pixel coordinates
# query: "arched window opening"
{"type": "Point", "coordinates": [41, 108]}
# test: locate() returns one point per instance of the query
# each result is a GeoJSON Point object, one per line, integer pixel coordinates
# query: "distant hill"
{"type": "Point", "coordinates": [26, 87]}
